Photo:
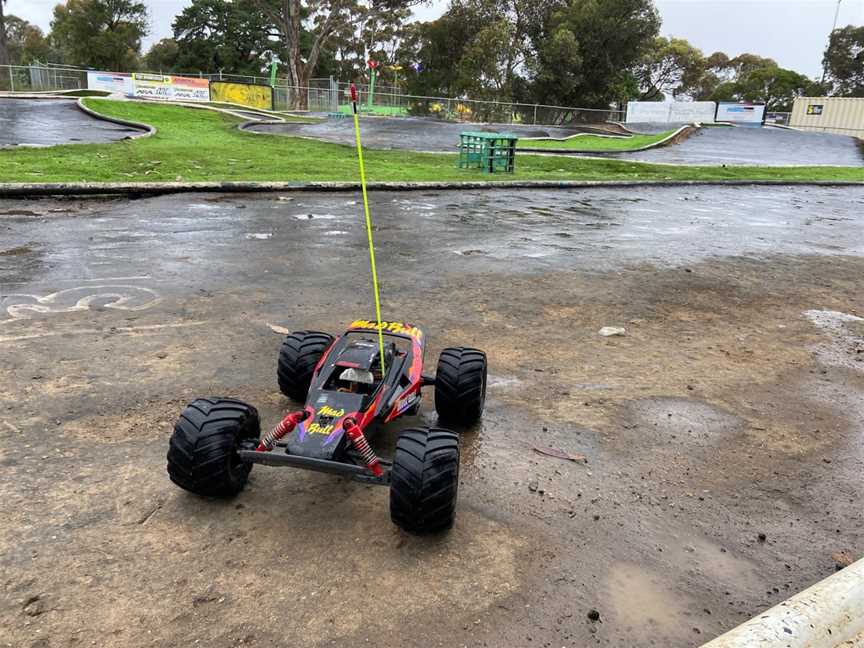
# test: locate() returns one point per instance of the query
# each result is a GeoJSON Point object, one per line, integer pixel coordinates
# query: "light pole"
{"type": "Point", "coordinates": [836, 15]}
{"type": "Point", "coordinates": [833, 29]}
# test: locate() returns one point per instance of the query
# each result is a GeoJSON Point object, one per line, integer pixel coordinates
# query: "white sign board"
{"type": "Point", "coordinates": [741, 113]}
{"type": "Point", "coordinates": [664, 112]}
{"type": "Point", "coordinates": [170, 88]}
{"type": "Point", "coordinates": [150, 86]}
{"type": "Point", "coordinates": [113, 82]}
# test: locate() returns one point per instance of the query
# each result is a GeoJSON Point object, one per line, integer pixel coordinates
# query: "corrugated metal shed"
{"type": "Point", "coordinates": [841, 115]}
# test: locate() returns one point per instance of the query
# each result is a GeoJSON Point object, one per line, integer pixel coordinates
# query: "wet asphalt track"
{"type": "Point", "coordinates": [757, 146]}
{"type": "Point", "coordinates": [407, 133]}
{"type": "Point", "coordinates": [710, 146]}
{"type": "Point", "coordinates": [501, 230]}
{"type": "Point", "coordinates": [44, 122]}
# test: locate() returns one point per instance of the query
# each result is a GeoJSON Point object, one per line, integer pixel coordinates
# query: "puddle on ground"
{"type": "Point", "coordinates": [644, 605]}
{"type": "Point", "coordinates": [315, 216]}
{"type": "Point", "coordinates": [695, 421]}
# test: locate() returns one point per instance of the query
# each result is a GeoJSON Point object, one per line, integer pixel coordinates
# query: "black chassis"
{"type": "Point", "coordinates": [319, 442]}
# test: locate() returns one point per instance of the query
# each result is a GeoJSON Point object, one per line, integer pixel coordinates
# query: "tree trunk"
{"type": "Point", "coordinates": [4, 50]}
{"type": "Point", "coordinates": [296, 67]}
{"type": "Point", "coordinates": [287, 19]}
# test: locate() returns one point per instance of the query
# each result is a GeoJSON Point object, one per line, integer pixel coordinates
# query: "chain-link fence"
{"type": "Point", "coordinates": [330, 96]}
{"type": "Point", "coordinates": [41, 78]}
{"type": "Point", "coordinates": [392, 101]}
{"type": "Point", "coordinates": [778, 118]}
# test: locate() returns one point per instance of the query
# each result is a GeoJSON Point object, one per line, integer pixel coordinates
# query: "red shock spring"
{"type": "Point", "coordinates": [358, 439]}
{"type": "Point", "coordinates": [285, 426]}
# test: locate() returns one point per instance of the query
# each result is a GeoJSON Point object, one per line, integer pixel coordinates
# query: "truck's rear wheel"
{"type": "Point", "coordinates": [298, 358]}
{"type": "Point", "coordinates": [202, 453]}
{"type": "Point", "coordinates": [424, 480]}
{"type": "Point", "coordinates": [460, 385]}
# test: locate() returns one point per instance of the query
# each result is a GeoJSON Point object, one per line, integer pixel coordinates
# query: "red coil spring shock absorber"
{"type": "Point", "coordinates": [358, 439]}
{"type": "Point", "coordinates": [285, 426]}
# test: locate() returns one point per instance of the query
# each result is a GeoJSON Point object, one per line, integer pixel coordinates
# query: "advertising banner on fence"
{"type": "Point", "coordinates": [665, 112]}
{"type": "Point", "coordinates": [245, 94]}
{"type": "Point", "coordinates": [741, 113]}
{"type": "Point", "coordinates": [113, 82]}
{"type": "Point", "coordinates": [170, 88]}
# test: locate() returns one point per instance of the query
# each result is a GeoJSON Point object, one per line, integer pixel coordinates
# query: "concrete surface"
{"type": "Point", "coordinates": [722, 432]}
{"type": "Point", "coordinates": [712, 146]}
{"type": "Point", "coordinates": [45, 122]}
{"type": "Point", "coordinates": [826, 615]}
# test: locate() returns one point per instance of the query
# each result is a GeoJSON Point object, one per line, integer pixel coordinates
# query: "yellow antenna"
{"type": "Point", "coordinates": [368, 228]}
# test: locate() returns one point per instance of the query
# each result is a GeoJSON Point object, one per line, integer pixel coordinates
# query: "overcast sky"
{"type": "Point", "coordinates": [793, 32]}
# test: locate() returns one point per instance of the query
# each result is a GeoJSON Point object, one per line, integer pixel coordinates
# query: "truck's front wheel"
{"type": "Point", "coordinates": [424, 480]}
{"type": "Point", "coordinates": [202, 452]}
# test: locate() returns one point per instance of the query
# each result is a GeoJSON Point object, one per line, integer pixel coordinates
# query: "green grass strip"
{"type": "Point", "coordinates": [595, 143]}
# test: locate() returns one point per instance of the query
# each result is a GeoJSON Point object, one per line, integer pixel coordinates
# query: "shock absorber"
{"type": "Point", "coordinates": [358, 439]}
{"type": "Point", "coordinates": [285, 426]}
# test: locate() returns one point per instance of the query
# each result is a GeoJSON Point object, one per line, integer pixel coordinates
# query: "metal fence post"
{"type": "Point", "coordinates": [11, 79]}
{"type": "Point", "coordinates": [535, 114]}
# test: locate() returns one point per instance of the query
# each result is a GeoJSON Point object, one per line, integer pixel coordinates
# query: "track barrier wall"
{"type": "Point", "coordinates": [245, 94]}
{"type": "Point", "coordinates": [670, 112]}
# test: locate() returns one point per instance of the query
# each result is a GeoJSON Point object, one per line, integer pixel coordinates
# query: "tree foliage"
{"type": "Point", "coordinates": [25, 42]}
{"type": "Point", "coordinates": [585, 53]}
{"type": "Point", "coordinates": [436, 47]}
{"type": "Point", "coordinates": [671, 67]}
{"type": "Point", "coordinates": [374, 35]}
{"type": "Point", "coordinates": [749, 77]}
{"type": "Point", "coordinates": [104, 34]}
{"type": "Point", "coordinates": [307, 27]}
{"type": "Point", "coordinates": [585, 49]}
{"type": "Point", "coordinates": [162, 56]}
{"type": "Point", "coordinates": [844, 61]}
{"type": "Point", "coordinates": [214, 35]}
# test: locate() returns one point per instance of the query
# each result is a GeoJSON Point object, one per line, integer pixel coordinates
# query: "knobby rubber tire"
{"type": "Point", "coordinates": [298, 358]}
{"type": "Point", "coordinates": [202, 452]}
{"type": "Point", "coordinates": [424, 480]}
{"type": "Point", "coordinates": [460, 385]}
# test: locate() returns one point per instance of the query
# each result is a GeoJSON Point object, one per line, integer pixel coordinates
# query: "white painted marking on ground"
{"type": "Point", "coordinates": [135, 278]}
{"type": "Point", "coordinates": [128, 330]}
{"type": "Point", "coordinates": [124, 297]}
{"type": "Point", "coordinates": [494, 382]}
